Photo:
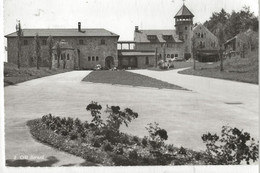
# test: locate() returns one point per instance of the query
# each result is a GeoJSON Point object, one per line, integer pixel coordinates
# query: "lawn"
{"type": "Point", "coordinates": [177, 65]}
{"type": "Point", "coordinates": [13, 75]}
{"type": "Point", "coordinates": [237, 69]}
{"type": "Point", "coordinates": [127, 78]}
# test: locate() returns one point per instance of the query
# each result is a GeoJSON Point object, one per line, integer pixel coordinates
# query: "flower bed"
{"type": "Point", "coordinates": [102, 143]}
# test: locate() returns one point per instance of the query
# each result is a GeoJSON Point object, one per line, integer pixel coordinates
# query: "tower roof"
{"type": "Point", "coordinates": [184, 11]}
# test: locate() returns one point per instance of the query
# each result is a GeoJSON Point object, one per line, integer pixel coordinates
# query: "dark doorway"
{"type": "Point", "coordinates": [78, 59]}
{"type": "Point", "coordinates": [109, 62]}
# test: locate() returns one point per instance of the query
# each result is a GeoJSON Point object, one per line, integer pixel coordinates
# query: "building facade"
{"type": "Point", "coordinates": [90, 46]}
{"type": "Point", "coordinates": [241, 44]}
{"type": "Point", "coordinates": [205, 44]}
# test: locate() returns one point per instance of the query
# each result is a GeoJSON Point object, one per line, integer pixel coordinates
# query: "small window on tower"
{"type": "Point", "coordinates": [103, 41]}
{"type": "Point", "coordinates": [25, 42]}
{"type": "Point", "coordinates": [172, 55]}
{"type": "Point", "coordinates": [93, 58]}
{"type": "Point", "coordinates": [97, 58]}
{"type": "Point", "coordinates": [81, 42]}
{"type": "Point", "coordinates": [186, 28]}
{"type": "Point", "coordinates": [89, 58]}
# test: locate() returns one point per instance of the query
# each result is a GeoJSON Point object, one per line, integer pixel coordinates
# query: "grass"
{"type": "Point", "coordinates": [236, 69]}
{"type": "Point", "coordinates": [177, 65]}
{"type": "Point", "coordinates": [128, 78]}
{"type": "Point", "coordinates": [13, 75]}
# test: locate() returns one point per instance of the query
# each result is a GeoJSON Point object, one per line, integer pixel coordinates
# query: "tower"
{"type": "Point", "coordinates": [184, 29]}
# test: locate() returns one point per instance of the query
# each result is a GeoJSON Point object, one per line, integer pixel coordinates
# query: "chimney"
{"type": "Point", "coordinates": [136, 29]}
{"type": "Point", "coordinates": [79, 26]}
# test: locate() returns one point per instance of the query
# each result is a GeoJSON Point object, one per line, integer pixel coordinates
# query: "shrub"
{"type": "Point", "coordinates": [117, 117]}
{"type": "Point", "coordinates": [73, 135]}
{"type": "Point", "coordinates": [95, 108]}
{"type": "Point", "coordinates": [136, 140]}
{"type": "Point", "coordinates": [133, 155]}
{"type": "Point", "coordinates": [232, 147]}
{"type": "Point", "coordinates": [144, 141]}
{"type": "Point", "coordinates": [182, 151]}
{"type": "Point", "coordinates": [107, 146]}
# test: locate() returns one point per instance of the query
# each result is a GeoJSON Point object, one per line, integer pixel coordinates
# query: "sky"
{"type": "Point", "coordinates": [118, 16]}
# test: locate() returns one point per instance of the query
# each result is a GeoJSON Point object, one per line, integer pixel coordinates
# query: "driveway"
{"type": "Point", "coordinates": [186, 115]}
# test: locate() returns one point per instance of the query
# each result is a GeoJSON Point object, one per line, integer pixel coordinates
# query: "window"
{"type": "Point", "coordinates": [103, 41]}
{"type": "Point", "coordinates": [68, 56]}
{"type": "Point", "coordinates": [89, 58]}
{"type": "Point", "coordinates": [147, 60]}
{"type": "Point", "coordinates": [97, 59]}
{"type": "Point", "coordinates": [55, 56]}
{"type": "Point", "coordinates": [180, 35]}
{"type": "Point", "coordinates": [44, 42]}
{"type": "Point", "coordinates": [93, 58]}
{"type": "Point", "coordinates": [81, 42]}
{"type": "Point", "coordinates": [172, 55]}
{"type": "Point", "coordinates": [151, 37]}
{"type": "Point", "coordinates": [61, 57]}
{"type": "Point", "coordinates": [168, 55]}
{"type": "Point", "coordinates": [186, 27]}
{"type": "Point", "coordinates": [201, 35]}
{"type": "Point", "coordinates": [25, 42]}
{"type": "Point", "coordinates": [176, 55]}
{"type": "Point", "coordinates": [160, 56]}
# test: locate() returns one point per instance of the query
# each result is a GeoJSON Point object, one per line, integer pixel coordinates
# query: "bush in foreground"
{"type": "Point", "coordinates": [101, 142]}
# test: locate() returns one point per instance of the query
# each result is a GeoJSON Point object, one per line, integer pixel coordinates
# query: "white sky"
{"type": "Point", "coordinates": [118, 16]}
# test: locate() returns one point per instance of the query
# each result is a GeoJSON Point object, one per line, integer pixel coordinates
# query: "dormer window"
{"type": "Point", "coordinates": [151, 37]}
{"type": "Point", "coordinates": [167, 37]}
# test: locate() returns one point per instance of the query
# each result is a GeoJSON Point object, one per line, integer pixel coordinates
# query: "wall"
{"type": "Point", "coordinates": [91, 47]}
{"type": "Point", "coordinates": [141, 61]}
{"type": "Point", "coordinates": [69, 64]}
{"type": "Point", "coordinates": [173, 48]}
{"type": "Point", "coordinates": [209, 40]}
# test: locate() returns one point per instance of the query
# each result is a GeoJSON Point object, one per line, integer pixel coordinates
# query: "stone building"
{"type": "Point", "coordinates": [67, 58]}
{"type": "Point", "coordinates": [169, 43]}
{"type": "Point", "coordinates": [151, 46]}
{"type": "Point", "coordinates": [91, 46]}
{"type": "Point", "coordinates": [241, 44]}
{"type": "Point", "coordinates": [205, 44]}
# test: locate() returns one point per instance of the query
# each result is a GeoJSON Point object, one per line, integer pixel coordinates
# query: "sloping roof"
{"type": "Point", "coordinates": [184, 11]}
{"type": "Point", "coordinates": [140, 36]}
{"type": "Point", "coordinates": [64, 33]}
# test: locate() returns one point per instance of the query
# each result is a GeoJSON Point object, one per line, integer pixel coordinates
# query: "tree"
{"type": "Point", "coordinates": [194, 51]}
{"type": "Point", "coordinates": [19, 35]}
{"type": "Point", "coordinates": [219, 32]}
{"type": "Point", "coordinates": [50, 46]}
{"type": "Point", "coordinates": [58, 50]}
{"type": "Point", "coordinates": [37, 49]}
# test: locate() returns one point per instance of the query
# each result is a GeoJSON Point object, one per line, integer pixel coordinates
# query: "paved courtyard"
{"type": "Point", "coordinates": [186, 115]}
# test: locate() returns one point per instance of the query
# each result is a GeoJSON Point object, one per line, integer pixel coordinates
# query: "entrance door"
{"type": "Point", "coordinates": [109, 62]}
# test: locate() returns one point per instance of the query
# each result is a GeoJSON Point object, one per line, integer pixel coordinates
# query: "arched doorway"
{"type": "Point", "coordinates": [109, 62]}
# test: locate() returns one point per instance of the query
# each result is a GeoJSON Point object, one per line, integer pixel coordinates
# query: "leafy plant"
{"type": "Point", "coordinates": [95, 108]}
{"type": "Point", "coordinates": [156, 133]}
{"type": "Point", "coordinates": [117, 117]}
{"type": "Point", "coordinates": [232, 147]}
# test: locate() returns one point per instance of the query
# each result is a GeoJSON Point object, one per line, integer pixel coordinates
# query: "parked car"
{"type": "Point", "coordinates": [97, 67]}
